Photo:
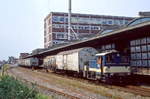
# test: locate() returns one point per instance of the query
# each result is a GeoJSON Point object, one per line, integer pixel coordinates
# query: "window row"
{"type": "Point", "coordinates": [105, 21]}
{"type": "Point", "coordinates": [79, 27]}
{"type": "Point", "coordinates": [137, 56]}
{"type": "Point", "coordinates": [61, 35]}
{"type": "Point", "coordinates": [145, 40]}
{"type": "Point", "coordinates": [58, 42]}
{"type": "Point", "coordinates": [143, 48]}
{"type": "Point", "coordinates": [140, 63]}
{"type": "Point", "coordinates": [108, 47]}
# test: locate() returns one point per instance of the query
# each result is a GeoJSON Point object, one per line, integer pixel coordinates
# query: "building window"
{"type": "Point", "coordinates": [58, 25]}
{"type": "Point", "coordinates": [95, 28]}
{"type": "Point", "coordinates": [45, 25]}
{"type": "Point", "coordinates": [92, 28]}
{"type": "Point", "coordinates": [104, 22]}
{"type": "Point", "coordinates": [110, 22]}
{"type": "Point", "coordinates": [87, 27]}
{"type": "Point", "coordinates": [80, 27]}
{"type": "Point", "coordinates": [61, 19]}
{"type": "Point", "coordinates": [61, 36]}
{"type": "Point", "coordinates": [44, 33]}
{"type": "Point", "coordinates": [55, 19]}
{"type": "Point", "coordinates": [126, 22]}
{"type": "Point", "coordinates": [55, 42]}
{"type": "Point", "coordinates": [44, 39]}
{"type": "Point", "coordinates": [74, 27]}
{"type": "Point", "coordinates": [66, 19]}
{"type": "Point", "coordinates": [49, 29]}
{"type": "Point", "coordinates": [49, 22]}
{"type": "Point", "coordinates": [49, 37]}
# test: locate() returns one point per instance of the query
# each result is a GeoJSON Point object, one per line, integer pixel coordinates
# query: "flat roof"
{"type": "Point", "coordinates": [85, 14]}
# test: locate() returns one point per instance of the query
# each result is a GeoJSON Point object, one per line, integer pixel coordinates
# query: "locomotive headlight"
{"type": "Point", "coordinates": [129, 68]}
{"type": "Point", "coordinates": [107, 69]}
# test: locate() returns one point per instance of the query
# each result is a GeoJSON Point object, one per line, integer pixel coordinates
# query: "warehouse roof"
{"type": "Point", "coordinates": [103, 35]}
{"type": "Point", "coordinates": [119, 31]}
{"type": "Point", "coordinates": [138, 21]}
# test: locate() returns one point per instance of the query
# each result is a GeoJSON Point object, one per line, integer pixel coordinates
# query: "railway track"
{"type": "Point", "coordinates": [137, 90]}
{"type": "Point", "coordinates": [49, 89]}
{"type": "Point", "coordinates": [140, 90]}
{"type": "Point", "coordinates": [72, 94]}
{"type": "Point", "coordinates": [129, 88]}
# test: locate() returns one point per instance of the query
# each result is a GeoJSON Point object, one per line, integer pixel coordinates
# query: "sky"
{"type": "Point", "coordinates": [22, 21]}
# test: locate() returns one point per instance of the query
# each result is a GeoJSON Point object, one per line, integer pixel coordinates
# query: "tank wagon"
{"type": "Point", "coordinates": [29, 62]}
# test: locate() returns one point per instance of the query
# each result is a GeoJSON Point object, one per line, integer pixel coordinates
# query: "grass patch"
{"type": "Point", "coordinates": [41, 96]}
{"type": "Point", "coordinates": [11, 88]}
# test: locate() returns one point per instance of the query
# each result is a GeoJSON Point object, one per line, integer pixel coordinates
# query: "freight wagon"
{"type": "Point", "coordinates": [29, 62]}
{"type": "Point", "coordinates": [49, 62]}
{"type": "Point", "coordinates": [73, 60]}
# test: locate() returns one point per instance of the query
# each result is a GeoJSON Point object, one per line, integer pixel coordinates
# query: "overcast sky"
{"type": "Point", "coordinates": [21, 21]}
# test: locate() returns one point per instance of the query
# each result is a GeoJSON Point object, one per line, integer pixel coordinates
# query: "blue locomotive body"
{"type": "Point", "coordinates": [108, 64]}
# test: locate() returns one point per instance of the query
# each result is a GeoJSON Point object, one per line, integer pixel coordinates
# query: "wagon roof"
{"type": "Point", "coordinates": [71, 51]}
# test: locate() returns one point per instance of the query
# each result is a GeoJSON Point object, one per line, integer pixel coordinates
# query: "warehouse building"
{"type": "Point", "coordinates": [132, 40]}
{"type": "Point", "coordinates": [56, 26]}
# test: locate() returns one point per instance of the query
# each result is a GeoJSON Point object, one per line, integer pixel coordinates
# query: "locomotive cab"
{"type": "Point", "coordinates": [109, 64]}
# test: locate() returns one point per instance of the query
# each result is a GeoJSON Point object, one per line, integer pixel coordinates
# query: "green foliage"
{"type": "Point", "coordinates": [40, 96]}
{"type": "Point", "coordinates": [11, 88]}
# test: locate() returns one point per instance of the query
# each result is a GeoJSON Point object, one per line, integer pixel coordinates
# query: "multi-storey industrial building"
{"type": "Point", "coordinates": [144, 14]}
{"type": "Point", "coordinates": [56, 26]}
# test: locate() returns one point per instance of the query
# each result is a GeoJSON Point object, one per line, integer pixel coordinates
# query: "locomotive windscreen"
{"type": "Point", "coordinates": [116, 59]}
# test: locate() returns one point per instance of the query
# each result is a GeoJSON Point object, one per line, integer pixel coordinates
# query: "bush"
{"type": "Point", "coordinates": [11, 88]}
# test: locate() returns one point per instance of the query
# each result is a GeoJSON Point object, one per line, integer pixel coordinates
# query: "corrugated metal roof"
{"type": "Point", "coordinates": [71, 51]}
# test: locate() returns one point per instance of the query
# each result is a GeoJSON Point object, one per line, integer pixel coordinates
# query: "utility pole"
{"type": "Point", "coordinates": [69, 21]}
